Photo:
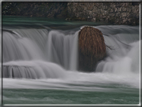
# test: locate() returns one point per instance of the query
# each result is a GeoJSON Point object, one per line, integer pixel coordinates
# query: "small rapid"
{"type": "Point", "coordinates": [46, 58]}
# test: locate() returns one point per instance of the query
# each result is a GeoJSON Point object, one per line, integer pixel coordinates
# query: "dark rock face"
{"type": "Point", "coordinates": [91, 48]}
{"type": "Point", "coordinates": [114, 13]}
{"type": "Point", "coordinates": [35, 9]}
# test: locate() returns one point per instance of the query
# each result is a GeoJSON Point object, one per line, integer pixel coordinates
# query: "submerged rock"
{"type": "Point", "coordinates": [91, 48]}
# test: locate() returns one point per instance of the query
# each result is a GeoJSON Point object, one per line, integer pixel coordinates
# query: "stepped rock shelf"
{"type": "Point", "coordinates": [91, 49]}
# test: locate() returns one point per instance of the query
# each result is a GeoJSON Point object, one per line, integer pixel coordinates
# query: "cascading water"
{"type": "Point", "coordinates": [56, 47]}
{"type": "Point", "coordinates": [48, 59]}
{"type": "Point", "coordinates": [60, 47]}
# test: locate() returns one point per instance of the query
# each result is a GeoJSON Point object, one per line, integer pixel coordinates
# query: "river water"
{"type": "Point", "coordinates": [40, 60]}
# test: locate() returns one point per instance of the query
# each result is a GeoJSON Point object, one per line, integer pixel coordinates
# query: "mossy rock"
{"type": "Point", "coordinates": [92, 48]}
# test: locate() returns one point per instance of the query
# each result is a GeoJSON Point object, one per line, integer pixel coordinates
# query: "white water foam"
{"type": "Point", "coordinates": [62, 49]}
{"type": "Point", "coordinates": [120, 67]}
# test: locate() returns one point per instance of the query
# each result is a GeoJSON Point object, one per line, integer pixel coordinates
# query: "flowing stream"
{"type": "Point", "coordinates": [40, 66]}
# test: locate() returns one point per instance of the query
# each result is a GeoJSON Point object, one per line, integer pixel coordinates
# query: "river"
{"type": "Point", "coordinates": [40, 59]}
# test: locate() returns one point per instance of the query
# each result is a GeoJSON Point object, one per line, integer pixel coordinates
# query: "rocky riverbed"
{"type": "Point", "coordinates": [113, 13]}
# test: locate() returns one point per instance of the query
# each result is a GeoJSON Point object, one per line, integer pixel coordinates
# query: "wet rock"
{"type": "Point", "coordinates": [91, 48]}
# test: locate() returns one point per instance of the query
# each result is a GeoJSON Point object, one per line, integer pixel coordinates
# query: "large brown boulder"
{"type": "Point", "coordinates": [91, 48]}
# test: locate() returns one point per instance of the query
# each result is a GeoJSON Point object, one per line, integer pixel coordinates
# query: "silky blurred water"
{"type": "Point", "coordinates": [40, 66]}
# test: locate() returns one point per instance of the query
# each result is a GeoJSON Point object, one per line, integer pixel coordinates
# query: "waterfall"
{"type": "Point", "coordinates": [47, 53]}
{"type": "Point", "coordinates": [15, 48]}
{"type": "Point", "coordinates": [123, 57]}
{"type": "Point", "coordinates": [32, 70]}
{"type": "Point", "coordinates": [62, 49]}
{"type": "Point", "coordinates": [42, 45]}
